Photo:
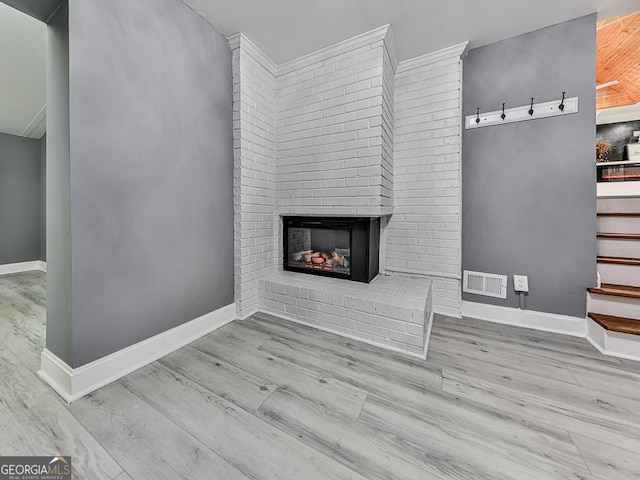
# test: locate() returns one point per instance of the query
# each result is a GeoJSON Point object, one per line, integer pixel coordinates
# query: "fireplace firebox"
{"type": "Point", "coordinates": [342, 247]}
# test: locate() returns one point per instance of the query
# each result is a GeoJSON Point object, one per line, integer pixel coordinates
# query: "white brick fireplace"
{"type": "Point", "coordinates": [349, 131]}
{"type": "Point", "coordinates": [334, 124]}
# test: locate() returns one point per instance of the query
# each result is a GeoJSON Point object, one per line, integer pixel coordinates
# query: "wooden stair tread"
{"type": "Point", "coordinates": [616, 324]}
{"type": "Point", "coordinates": [626, 236]}
{"type": "Point", "coordinates": [616, 290]}
{"type": "Point", "coordinates": [619, 260]}
{"type": "Point", "coordinates": [618, 214]}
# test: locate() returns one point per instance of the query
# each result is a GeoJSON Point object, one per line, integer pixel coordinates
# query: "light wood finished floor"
{"type": "Point", "coordinates": [268, 399]}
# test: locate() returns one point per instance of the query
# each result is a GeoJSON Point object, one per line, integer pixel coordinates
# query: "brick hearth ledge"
{"type": "Point", "coordinates": [393, 311]}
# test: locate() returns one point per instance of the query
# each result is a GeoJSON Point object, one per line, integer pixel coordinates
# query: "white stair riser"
{"type": "Point", "coordinates": [617, 306]}
{"type": "Point", "coordinates": [618, 248]}
{"type": "Point", "coordinates": [631, 204]}
{"type": "Point", "coordinates": [619, 274]}
{"type": "Point", "coordinates": [619, 224]}
{"type": "Point", "coordinates": [621, 345]}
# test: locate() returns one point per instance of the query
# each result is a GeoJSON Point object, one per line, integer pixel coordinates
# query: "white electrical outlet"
{"type": "Point", "coordinates": [520, 283]}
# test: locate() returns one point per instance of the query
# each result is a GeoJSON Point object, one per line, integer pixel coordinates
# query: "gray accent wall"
{"type": "Point", "coordinates": [18, 199]}
{"type": "Point", "coordinates": [529, 192]}
{"type": "Point", "coordinates": [59, 333]}
{"type": "Point", "coordinates": [151, 171]}
{"type": "Point", "coordinates": [42, 199]}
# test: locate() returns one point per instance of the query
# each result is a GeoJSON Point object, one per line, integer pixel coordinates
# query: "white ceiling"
{"type": "Point", "coordinates": [22, 74]}
{"type": "Point", "coordinates": [287, 29]}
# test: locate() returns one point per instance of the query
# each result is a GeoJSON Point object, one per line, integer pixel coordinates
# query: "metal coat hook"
{"type": "Point", "coordinates": [520, 113]}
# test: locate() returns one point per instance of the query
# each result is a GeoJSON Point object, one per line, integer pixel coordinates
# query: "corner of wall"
{"type": "Point", "coordinates": [254, 147]}
{"type": "Point", "coordinates": [74, 383]}
{"type": "Point", "coordinates": [424, 234]}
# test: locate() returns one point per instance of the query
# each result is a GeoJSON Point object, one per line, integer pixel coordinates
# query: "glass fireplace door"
{"type": "Point", "coordinates": [318, 247]}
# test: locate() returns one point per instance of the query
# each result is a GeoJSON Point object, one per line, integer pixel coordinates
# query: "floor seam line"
{"type": "Point", "coordinates": [366, 397]}
{"type": "Point", "coordinates": [579, 452]}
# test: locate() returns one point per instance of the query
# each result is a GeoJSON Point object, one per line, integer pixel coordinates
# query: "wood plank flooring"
{"type": "Point", "coordinates": [268, 399]}
{"type": "Point", "coordinates": [23, 314]}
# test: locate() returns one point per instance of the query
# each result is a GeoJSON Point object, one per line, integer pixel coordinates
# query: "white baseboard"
{"type": "Point", "coordinates": [244, 316]}
{"type": "Point", "coordinates": [421, 356]}
{"type": "Point", "coordinates": [614, 344]}
{"type": "Point", "coordinates": [447, 311]}
{"type": "Point", "coordinates": [547, 322]}
{"type": "Point", "coordinates": [74, 383]}
{"type": "Point", "coordinates": [21, 267]}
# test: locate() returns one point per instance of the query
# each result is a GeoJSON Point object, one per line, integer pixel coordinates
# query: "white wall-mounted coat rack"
{"type": "Point", "coordinates": [521, 114]}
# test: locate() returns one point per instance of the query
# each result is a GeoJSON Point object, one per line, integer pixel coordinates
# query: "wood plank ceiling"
{"type": "Point", "coordinates": [618, 58]}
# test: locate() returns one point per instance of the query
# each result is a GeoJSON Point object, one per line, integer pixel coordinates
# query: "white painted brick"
{"type": "Point", "coordinates": [254, 90]}
{"type": "Point", "coordinates": [320, 140]}
{"type": "Point", "coordinates": [427, 165]}
{"type": "Point", "coordinates": [300, 300]}
{"type": "Point", "coordinates": [391, 324]}
{"type": "Point", "coordinates": [344, 322]}
{"type": "Point", "coordinates": [417, 330]}
{"type": "Point", "coordinates": [373, 330]}
{"type": "Point", "coordinates": [339, 111]}
{"type": "Point", "coordinates": [406, 339]}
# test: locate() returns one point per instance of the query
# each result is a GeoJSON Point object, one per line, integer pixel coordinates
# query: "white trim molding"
{"type": "Point", "coordinates": [244, 316]}
{"type": "Point", "coordinates": [547, 322]}
{"type": "Point", "coordinates": [456, 51]}
{"type": "Point", "coordinates": [377, 34]}
{"type": "Point", "coordinates": [22, 267]}
{"type": "Point", "coordinates": [614, 344]}
{"type": "Point", "coordinates": [234, 40]}
{"type": "Point", "coordinates": [74, 383]}
{"type": "Point", "coordinates": [390, 44]}
{"type": "Point", "coordinates": [383, 33]}
{"type": "Point", "coordinates": [240, 40]}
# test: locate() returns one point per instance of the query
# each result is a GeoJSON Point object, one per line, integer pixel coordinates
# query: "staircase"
{"type": "Point", "coordinates": [614, 308]}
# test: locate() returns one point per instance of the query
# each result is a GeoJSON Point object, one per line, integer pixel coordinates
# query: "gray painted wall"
{"type": "Point", "coordinates": [42, 199]}
{"type": "Point", "coordinates": [59, 334]}
{"type": "Point", "coordinates": [529, 193]}
{"type": "Point", "coordinates": [151, 171]}
{"type": "Point", "coordinates": [18, 199]}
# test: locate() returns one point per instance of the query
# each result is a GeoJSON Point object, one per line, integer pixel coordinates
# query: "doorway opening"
{"type": "Point", "coordinates": [23, 167]}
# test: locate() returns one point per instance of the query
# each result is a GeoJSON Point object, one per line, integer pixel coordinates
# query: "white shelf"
{"type": "Point", "coordinates": [621, 162]}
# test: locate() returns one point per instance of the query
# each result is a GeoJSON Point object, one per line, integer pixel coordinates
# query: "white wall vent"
{"type": "Point", "coordinates": [487, 284]}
